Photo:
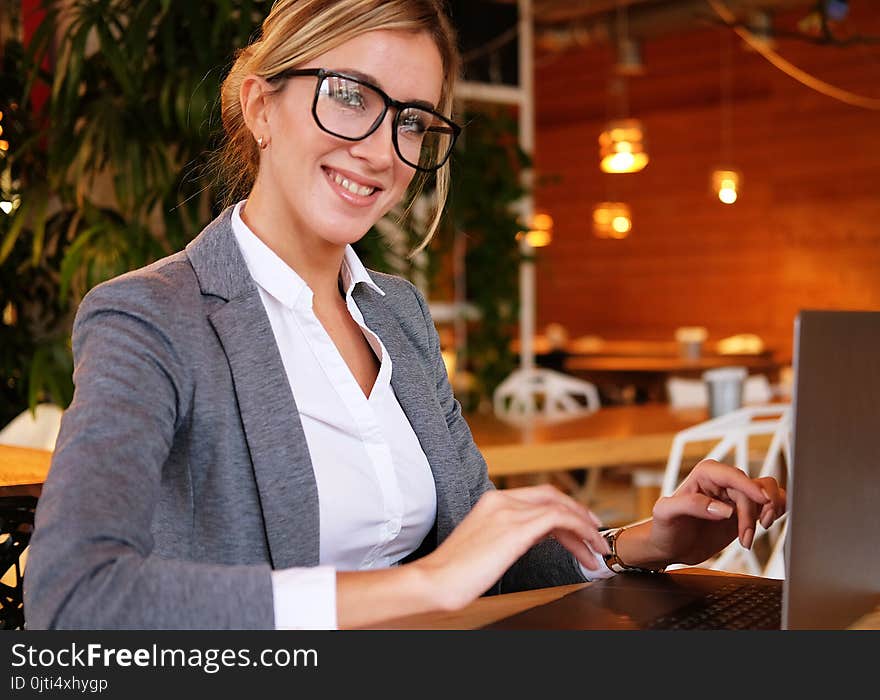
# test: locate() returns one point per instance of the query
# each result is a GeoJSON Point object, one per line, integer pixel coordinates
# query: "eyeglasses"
{"type": "Point", "coordinates": [352, 109]}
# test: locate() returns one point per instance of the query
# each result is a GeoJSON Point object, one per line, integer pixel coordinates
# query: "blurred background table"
{"type": "Point", "coordinates": [624, 378]}
{"type": "Point", "coordinates": [636, 371]}
{"type": "Point", "coordinates": [610, 436]}
{"type": "Point", "coordinates": [615, 436]}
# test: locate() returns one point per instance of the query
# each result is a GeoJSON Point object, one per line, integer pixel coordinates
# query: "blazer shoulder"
{"type": "Point", "coordinates": [163, 286]}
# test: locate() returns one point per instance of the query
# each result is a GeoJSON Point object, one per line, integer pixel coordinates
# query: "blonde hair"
{"type": "Point", "coordinates": [297, 31]}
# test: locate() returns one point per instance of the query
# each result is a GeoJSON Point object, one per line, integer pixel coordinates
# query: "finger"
{"type": "Point", "coordinates": [697, 505]}
{"type": "Point", "coordinates": [710, 476]}
{"type": "Point", "coordinates": [579, 549]}
{"type": "Point", "coordinates": [746, 517]}
{"type": "Point", "coordinates": [545, 493]}
{"type": "Point", "coordinates": [561, 522]}
{"type": "Point", "coordinates": [777, 504]}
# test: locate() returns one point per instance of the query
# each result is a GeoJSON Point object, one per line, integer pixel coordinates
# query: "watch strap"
{"type": "Point", "coordinates": [613, 560]}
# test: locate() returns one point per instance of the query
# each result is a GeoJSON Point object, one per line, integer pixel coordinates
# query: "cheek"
{"type": "Point", "coordinates": [403, 176]}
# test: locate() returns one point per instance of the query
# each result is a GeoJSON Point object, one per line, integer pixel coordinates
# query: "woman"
{"type": "Point", "coordinates": [263, 434]}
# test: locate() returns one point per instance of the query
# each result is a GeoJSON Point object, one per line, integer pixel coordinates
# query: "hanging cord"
{"type": "Point", "coordinates": [622, 35]}
{"type": "Point", "coordinates": [726, 97]}
{"type": "Point", "coordinates": [789, 68]}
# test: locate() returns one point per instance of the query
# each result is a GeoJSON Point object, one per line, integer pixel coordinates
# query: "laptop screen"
{"type": "Point", "coordinates": [832, 546]}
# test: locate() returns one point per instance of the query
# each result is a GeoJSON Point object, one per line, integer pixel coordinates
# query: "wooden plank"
{"type": "Point", "coordinates": [23, 465]}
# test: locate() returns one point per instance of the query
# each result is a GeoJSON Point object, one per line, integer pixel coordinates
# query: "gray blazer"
{"type": "Point", "coordinates": [181, 475]}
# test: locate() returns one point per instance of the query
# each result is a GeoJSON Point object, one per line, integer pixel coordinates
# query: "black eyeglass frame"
{"type": "Point", "coordinates": [321, 74]}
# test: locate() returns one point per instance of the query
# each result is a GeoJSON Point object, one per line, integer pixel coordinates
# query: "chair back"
{"type": "Point", "coordinates": [732, 438]}
{"type": "Point", "coordinates": [544, 392]}
{"type": "Point", "coordinates": [37, 429]}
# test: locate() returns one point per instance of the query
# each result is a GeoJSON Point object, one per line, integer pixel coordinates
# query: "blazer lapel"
{"type": "Point", "coordinates": [274, 433]}
{"type": "Point", "coordinates": [416, 393]}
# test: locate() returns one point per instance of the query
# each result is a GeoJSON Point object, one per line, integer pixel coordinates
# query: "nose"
{"type": "Point", "coordinates": [377, 148]}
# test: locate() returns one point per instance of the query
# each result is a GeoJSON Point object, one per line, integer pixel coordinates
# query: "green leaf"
{"type": "Point", "coordinates": [73, 259]}
{"type": "Point", "coordinates": [39, 233]}
{"type": "Point", "coordinates": [117, 62]}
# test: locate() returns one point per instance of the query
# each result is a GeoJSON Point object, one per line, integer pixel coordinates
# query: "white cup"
{"type": "Point", "coordinates": [725, 387]}
{"type": "Point", "coordinates": [690, 341]}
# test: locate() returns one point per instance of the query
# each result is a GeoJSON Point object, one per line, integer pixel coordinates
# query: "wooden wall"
{"type": "Point", "coordinates": [804, 233]}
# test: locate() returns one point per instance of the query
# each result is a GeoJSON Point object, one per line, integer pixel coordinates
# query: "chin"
{"type": "Point", "coordinates": [342, 235]}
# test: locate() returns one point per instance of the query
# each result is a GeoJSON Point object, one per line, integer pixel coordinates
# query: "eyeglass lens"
{"type": "Point", "coordinates": [350, 109]}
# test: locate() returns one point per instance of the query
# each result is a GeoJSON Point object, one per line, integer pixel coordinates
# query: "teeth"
{"type": "Point", "coordinates": [352, 187]}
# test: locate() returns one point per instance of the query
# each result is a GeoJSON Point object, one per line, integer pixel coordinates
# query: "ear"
{"type": "Point", "coordinates": [254, 96]}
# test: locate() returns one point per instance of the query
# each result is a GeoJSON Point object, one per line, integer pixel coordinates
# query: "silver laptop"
{"type": "Point", "coordinates": [832, 547]}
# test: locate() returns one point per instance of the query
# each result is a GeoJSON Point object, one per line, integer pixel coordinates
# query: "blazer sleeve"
{"type": "Point", "coordinates": [91, 563]}
{"type": "Point", "coordinates": [547, 563]}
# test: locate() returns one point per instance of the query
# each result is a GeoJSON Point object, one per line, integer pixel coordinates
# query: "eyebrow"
{"type": "Point", "coordinates": [367, 78]}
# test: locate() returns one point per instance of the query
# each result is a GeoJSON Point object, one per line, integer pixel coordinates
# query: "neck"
{"type": "Point", "coordinates": [316, 260]}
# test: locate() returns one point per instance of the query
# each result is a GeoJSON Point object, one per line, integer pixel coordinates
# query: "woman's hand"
{"type": "Point", "coordinates": [713, 505]}
{"type": "Point", "coordinates": [500, 528]}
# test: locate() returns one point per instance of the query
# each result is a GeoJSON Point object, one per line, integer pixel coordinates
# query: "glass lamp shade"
{"type": "Point", "coordinates": [622, 147]}
{"type": "Point", "coordinates": [612, 220]}
{"type": "Point", "coordinates": [726, 184]}
{"type": "Point", "coordinates": [540, 231]}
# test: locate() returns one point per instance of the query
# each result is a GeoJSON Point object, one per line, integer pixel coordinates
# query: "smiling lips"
{"type": "Point", "coordinates": [350, 185]}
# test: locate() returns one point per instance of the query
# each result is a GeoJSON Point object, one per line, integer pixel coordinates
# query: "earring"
{"type": "Point", "coordinates": [263, 146]}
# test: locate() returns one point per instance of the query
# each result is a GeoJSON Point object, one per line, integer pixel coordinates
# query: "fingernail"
{"type": "Point", "coordinates": [766, 496]}
{"type": "Point", "coordinates": [719, 508]}
{"type": "Point", "coordinates": [767, 520]}
{"type": "Point", "coordinates": [747, 538]}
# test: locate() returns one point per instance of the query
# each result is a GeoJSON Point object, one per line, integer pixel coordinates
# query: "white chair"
{"type": "Point", "coordinates": [731, 434]}
{"type": "Point", "coordinates": [38, 429]}
{"type": "Point", "coordinates": [547, 393]}
{"type": "Point", "coordinates": [550, 395]}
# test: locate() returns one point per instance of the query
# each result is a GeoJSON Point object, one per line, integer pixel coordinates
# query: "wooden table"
{"type": "Point", "coordinates": [633, 436]}
{"type": "Point", "coordinates": [647, 374]}
{"type": "Point", "coordinates": [594, 346]}
{"type": "Point", "coordinates": [612, 436]}
{"type": "Point", "coordinates": [489, 609]}
{"type": "Point", "coordinates": [22, 469]}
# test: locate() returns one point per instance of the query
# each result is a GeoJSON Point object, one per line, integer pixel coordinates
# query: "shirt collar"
{"type": "Point", "coordinates": [276, 277]}
{"type": "Point", "coordinates": [353, 271]}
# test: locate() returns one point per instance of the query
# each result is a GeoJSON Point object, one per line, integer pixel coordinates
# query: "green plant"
{"type": "Point", "coordinates": [486, 186]}
{"type": "Point", "coordinates": [34, 336]}
{"type": "Point", "coordinates": [113, 174]}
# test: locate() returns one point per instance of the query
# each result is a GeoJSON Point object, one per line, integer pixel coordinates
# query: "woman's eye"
{"type": "Point", "coordinates": [414, 123]}
{"type": "Point", "coordinates": [347, 94]}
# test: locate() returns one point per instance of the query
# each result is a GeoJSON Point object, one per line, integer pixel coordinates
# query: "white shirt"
{"type": "Point", "coordinates": [376, 494]}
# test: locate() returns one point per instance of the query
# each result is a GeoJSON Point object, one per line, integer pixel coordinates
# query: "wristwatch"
{"type": "Point", "coordinates": [613, 560]}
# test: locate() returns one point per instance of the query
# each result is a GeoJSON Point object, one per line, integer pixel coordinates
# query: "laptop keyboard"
{"type": "Point", "coordinates": [737, 606]}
